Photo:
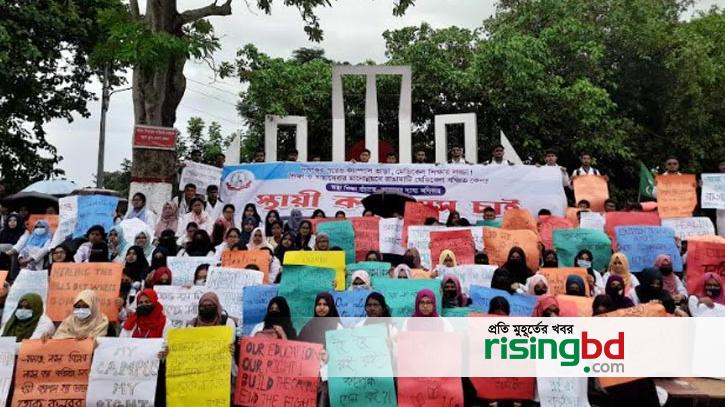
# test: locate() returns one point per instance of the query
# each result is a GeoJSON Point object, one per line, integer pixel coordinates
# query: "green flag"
{"type": "Point", "coordinates": [646, 181]}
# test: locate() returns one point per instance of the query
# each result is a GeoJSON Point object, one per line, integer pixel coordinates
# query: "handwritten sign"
{"type": "Point", "coordinates": [557, 278]}
{"type": "Point", "coordinates": [351, 305]}
{"type": "Point", "coordinates": [573, 215]}
{"type": "Point", "coordinates": [575, 305]}
{"type": "Point", "coordinates": [470, 274]}
{"type": "Point", "coordinates": [519, 219]}
{"type": "Point", "coordinates": [520, 304]}
{"type": "Point", "coordinates": [568, 243]}
{"type": "Point", "coordinates": [69, 279]}
{"type": "Point", "coordinates": [592, 188]}
{"type": "Point", "coordinates": [51, 219]}
{"type": "Point", "coordinates": [124, 372]}
{"type": "Point", "coordinates": [614, 219]}
{"type": "Point", "coordinates": [341, 235]}
{"type": "Point", "coordinates": [499, 242]}
{"type": "Point", "coordinates": [331, 260]}
{"type": "Point", "coordinates": [199, 174]}
{"type": "Point", "coordinates": [419, 238]}
{"type": "Point", "coordinates": [415, 214]}
{"type": "Point", "coordinates": [373, 268]}
{"type": "Point", "coordinates": [183, 268]}
{"type": "Point", "coordinates": [255, 299]}
{"type": "Point", "coordinates": [68, 217]}
{"type": "Point", "coordinates": [198, 367]}
{"type": "Point", "coordinates": [642, 245]}
{"type": "Point", "coordinates": [458, 241]}
{"type": "Point", "coordinates": [592, 220]}
{"type": "Point", "coordinates": [690, 227]}
{"type": "Point", "coordinates": [27, 281]}
{"type": "Point", "coordinates": [181, 304]}
{"type": "Point", "coordinates": [650, 309]}
{"type": "Point", "coordinates": [8, 349]}
{"type": "Point", "coordinates": [94, 210]}
{"type": "Point", "coordinates": [274, 372]}
{"type": "Point", "coordinates": [351, 352]}
{"type": "Point", "coordinates": [713, 191]}
{"type": "Point", "coordinates": [229, 283]}
{"type": "Point", "coordinates": [52, 373]}
{"type": "Point", "coordinates": [704, 257]}
{"type": "Point", "coordinates": [546, 226]}
{"type": "Point", "coordinates": [300, 285]}
{"type": "Point", "coordinates": [240, 259]}
{"type": "Point", "coordinates": [563, 391]}
{"type": "Point", "coordinates": [400, 294]}
{"type": "Point", "coordinates": [367, 235]}
{"type": "Point", "coordinates": [676, 195]}
{"type": "Point", "coordinates": [390, 237]}
{"type": "Point", "coordinates": [504, 388]}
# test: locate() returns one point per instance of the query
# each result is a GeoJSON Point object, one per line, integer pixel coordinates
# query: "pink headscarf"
{"type": "Point", "coordinates": [543, 303]}
{"type": "Point", "coordinates": [669, 281]}
{"type": "Point", "coordinates": [425, 293]}
{"type": "Point", "coordinates": [534, 280]}
{"type": "Point", "coordinates": [699, 288]}
{"type": "Point", "coordinates": [461, 298]}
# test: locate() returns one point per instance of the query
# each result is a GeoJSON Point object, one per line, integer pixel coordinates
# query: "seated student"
{"type": "Point", "coordinates": [197, 215]}
{"type": "Point", "coordinates": [614, 288]}
{"type": "Point", "coordinates": [650, 290]}
{"type": "Point", "coordinates": [257, 240]}
{"type": "Point", "coordinates": [447, 259]}
{"type": "Point", "coordinates": [60, 254]}
{"type": "Point", "coordinates": [200, 274]}
{"type": "Point", "coordinates": [516, 265]}
{"type": "Point", "coordinates": [360, 280]}
{"type": "Point", "coordinates": [136, 266]}
{"type": "Point", "coordinates": [275, 265]}
{"type": "Point", "coordinates": [550, 259]}
{"type": "Point", "coordinates": [116, 244]}
{"type": "Point", "coordinates": [537, 285]}
{"type": "Point", "coordinates": [340, 215]}
{"type": "Point", "coordinates": [169, 219]}
{"type": "Point", "coordinates": [499, 306]}
{"type": "Point", "coordinates": [199, 246]}
{"type": "Point", "coordinates": [322, 242]}
{"type": "Point", "coordinates": [168, 241]}
{"type": "Point", "coordinates": [610, 205]}
{"type": "Point", "coordinates": [575, 285]}
{"type": "Point", "coordinates": [373, 255]}
{"type": "Point", "coordinates": [377, 311]}
{"type": "Point", "coordinates": [318, 214]}
{"type": "Point", "coordinates": [211, 313]}
{"type": "Point", "coordinates": [481, 258]}
{"type": "Point", "coordinates": [584, 205]}
{"type": "Point", "coordinates": [160, 276]}
{"type": "Point", "coordinates": [454, 219]}
{"type": "Point", "coordinates": [602, 304]}
{"type": "Point", "coordinates": [233, 236]}
{"type": "Point", "coordinates": [426, 317]}
{"type": "Point", "coordinates": [585, 260]}
{"type": "Point", "coordinates": [401, 271]}
{"type": "Point", "coordinates": [502, 280]}
{"type": "Point", "coordinates": [149, 320]}
{"type": "Point", "coordinates": [412, 258]}
{"type": "Point", "coordinates": [670, 282]}
{"type": "Point", "coordinates": [277, 322]}
{"type": "Point", "coordinates": [29, 321]}
{"type": "Point", "coordinates": [185, 238]}
{"type": "Point", "coordinates": [546, 306]}
{"type": "Point", "coordinates": [32, 248]}
{"type": "Point", "coordinates": [275, 235]}
{"type": "Point", "coordinates": [143, 240]}
{"type": "Point", "coordinates": [95, 234]}
{"type": "Point", "coordinates": [286, 244]}
{"type": "Point", "coordinates": [619, 266]}
{"type": "Point", "coordinates": [453, 295]}
{"type": "Point", "coordinates": [248, 226]}
{"type": "Point", "coordinates": [86, 320]}
{"type": "Point", "coordinates": [708, 298]}
{"type": "Point", "coordinates": [99, 253]}
{"type": "Point", "coordinates": [304, 239]}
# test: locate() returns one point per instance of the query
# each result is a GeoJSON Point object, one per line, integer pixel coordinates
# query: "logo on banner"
{"type": "Point", "coordinates": [238, 180]}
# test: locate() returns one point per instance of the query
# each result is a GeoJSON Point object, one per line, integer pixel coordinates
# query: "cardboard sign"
{"type": "Point", "coordinates": [686, 228]}
{"type": "Point", "coordinates": [240, 259]}
{"type": "Point", "coordinates": [547, 225]}
{"type": "Point", "coordinates": [260, 381]}
{"type": "Point", "coordinates": [373, 268]}
{"type": "Point", "coordinates": [575, 305]}
{"type": "Point", "coordinates": [181, 304]}
{"type": "Point", "coordinates": [53, 372]}
{"type": "Point", "coordinates": [400, 294]}
{"type": "Point", "coordinates": [159, 138]}
{"type": "Point", "coordinates": [713, 191]}
{"type": "Point", "coordinates": [568, 243]}
{"type": "Point", "coordinates": [650, 309]}
{"type": "Point", "coordinates": [519, 219]}
{"type": "Point", "coordinates": [8, 350]}
{"type": "Point", "coordinates": [614, 219]}
{"type": "Point", "coordinates": [556, 277]}
{"type": "Point", "coordinates": [229, 283]}
{"type": "Point", "coordinates": [592, 188]}
{"type": "Point", "coordinates": [183, 268]}
{"type": "Point", "coordinates": [342, 235]}
{"type": "Point", "coordinates": [504, 388]}
{"type": "Point", "coordinates": [350, 305]}
{"type": "Point", "coordinates": [256, 298]}
{"type": "Point", "coordinates": [676, 195]}
{"type": "Point", "coordinates": [572, 215]}
{"type": "Point", "coordinates": [420, 274]}
{"type": "Point", "coordinates": [27, 281]}
{"type": "Point", "coordinates": [591, 220]}
{"type": "Point", "coordinates": [69, 279]}
{"type": "Point", "coordinates": [94, 210]}
{"type": "Point", "coordinates": [51, 219]}
{"type": "Point", "coordinates": [469, 275]}
{"type": "Point", "coordinates": [391, 236]}
{"type": "Point", "coordinates": [367, 235]}
{"type": "Point", "coordinates": [498, 243]}
{"type": "Point", "coordinates": [458, 241]}
{"type": "Point", "coordinates": [199, 174]}
{"type": "Point", "coordinates": [300, 285]}
{"type": "Point", "coordinates": [415, 214]}
{"type": "Point", "coordinates": [521, 304]}
{"type": "Point", "coordinates": [704, 257]}
{"type": "Point", "coordinates": [419, 238]}
{"type": "Point", "coordinates": [563, 391]}
{"type": "Point", "coordinates": [642, 245]}
{"type": "Point", "coordinates": [331, 260]}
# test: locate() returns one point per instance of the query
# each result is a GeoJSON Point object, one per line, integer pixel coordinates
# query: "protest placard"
{"type": "Point", "coordinates": [504, 388]}
{"type": "Point", "coordinates": [614, 219]}
{"type": "Point", "coordinates": [3, 277]}
{"type": "Point", "coordinates": [275, 372]}
{"type": "Point", "coordinates": [498, 243]}
{"type": "Point", "coordinates": [457, 312]}
{"type": "Point", "coordinates": [458, 241]}
{"type": "Point", "coordinates": [676, 195]}
{"type": "Point", "coordinates": [342, 235]}
{"type": "Point", "coordinates": [573, 215]}
{"type": "Point", "coordinates": [420, 274]}
{"type": "Point", "coordinates": [240, 259]}
{"type": "Point", "coordinates": [373, 268]}
{"type": "Point", "coordinates": [391, 236]}
{"type": "Point", "coordinates": [713, 191]}
{"type": "Point", "coordinates": [563, 391]}
{"type": "Point", "coordinates": [415, 214]}
{"type": "Point", "coordinates": [575, 305]}
{"type": "Point", "coordinates": [332, 260]}
{"type": "Point", "coordinates": [351, 305]}
{"type": "Point", "coordinates": [198, 367]}
{"type": "Point", "coordinates": [8, 350]}
{"type": "Point", "coordinates": [704, 257]}
{"type": "Point", "coordinates": [400, 294]}
{"type": "Point", "coordinates": [183, 268]}
{"type": "Point", "coordinates": [556, 277]}
{"type": "Point", "coordinates": [256, 299]}
{"type": "Point", "coordinates": [124, 372]}
{"type": "Point", "coordinates": [471, 274]}
{"type": "Point", "coordinates": [94, 210]}
{"type": "Point", "coordinates": [592, 220]}
{"type": "Point", "coordinates": [642, 245]}
{"type": "Point", "coordinates": [651, 309]}
{"type": "Point", "coordinates": [686, 228]}
{"type": "Point", "coordinates": [568, 243]}
{"type": "Point", "coordinates": [519, 219]}
{"type": "Point", "coordinates": [521, 304]}
{"type": "Point", "coordinates": [27, 281]}
{"type": "Point", "coordinates": [351, 352]}
{"type": "Point", "coordinates": [592, 188]}
{"type": "Point", "coordinates": [53, 372]}
{"type": "Point", "coordinates": [492, 223]}
{"type": "Point", "coordinates": [199, 174]}
{"type": "Point", "coordinates": [546, 226]}
{"type": "Point", "coordinates": [69, 279]}
{"type": "Point", "coordinates": [181, 304]}
{"type": "Point", "coordinates": [419, 238]}
{"type": "Point", "coordinates": [229, 283]}
{"type": "Point", "coordinates": [52, 220]}
{"type": "Point", "coordinates": [367, 235]}
{"type": "Point", "coordinates": [67, 219]}
{"type": "Point", "coordinates": [300, 286]}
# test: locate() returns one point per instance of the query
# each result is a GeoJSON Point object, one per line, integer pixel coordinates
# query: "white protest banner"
{"type": "Point", "coordinates": [201, 175]}
{"type": "Point", "coordinates": [181, 304]}
{"type": "Point", "coordinates": [591, 220]}
{"type": "Point", "coordinates": [8, 349]}
{"type": "Point", "coordinates": [419, 238]}
{"type": "Point", "coordinates": [333, 186]}
{"type": "Point", "coordinates": [124, 372]}
{"type": "Point", "coordinates": [690, 227]}
{"type": "Point", "coordinates": [713, 191]}
{"type": "Point", "coordinates": [391, 236]}
{"type": "Point", "coordinates": [470, 274]}
{"type": "Point", "coordinates": [27, 281]}
{"type": "Point", "coordinates": [562, 391]}
{"type": "Point", "coordinates": [183, 268]}
{"type": "Point", "coordinates": [67, 218]}
{"type": "Point", "coordinates": [229, 283]}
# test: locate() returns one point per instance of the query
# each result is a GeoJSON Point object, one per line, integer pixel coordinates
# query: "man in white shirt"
{"type": "Point", "coordinates": [497, 158]}
{"type": "Point", "coordinates": [184, 200]}
{"type": "Point", "coordinates": [214, 205]}
{"type": "Point", "coordinates": [457, 155]}
{"type": "Point", "coordinates": [586, 168]}
{"type": "Point", "coordinates": [550, 160]}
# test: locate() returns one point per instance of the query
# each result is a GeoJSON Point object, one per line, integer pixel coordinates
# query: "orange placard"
{"type": "Point", "coordinates": [557, 278]}
{"type": "Point", "coordinates": [546, 226]}
{"type": "Point", "coordinates": [704, 257]}
{"type": "Point", "coordinates": [498, 243]}
{"type": "Point", "coordinates": [415, 214]}
{"type": "Point", "coordinates": [3, 277]}
{"type": "Point", "coordinates": [52, 373]}
{"type": "Point", "coordinates": [240, 259]}
{"type": "Point", "coordinates": [571, 214]}
{"type": "Point", "coordinates": [420, 274]}
{"type": "Point", "coordinates": [69, 279]}
{"type": "Point", "coordinates": [367, 235]}
{"type": "Point", "coordinates": [676, 195]}
{"type": "Point", "coordinates": [519, 219]}
{"type": "Point", "coordinates": [650, 309]}
{"type": "Point", "coordinates": [594, 189]}
{"type": "Point", "coordinates": [607, 382]}
{"type": "Point", "coordinates": [51, 219]}
{"type": "Point", "coordinates": [575, 305]}
{"type": "Point", "coordinates": [614, 219]}
{"type": "Point", "coordinates": [460, 242]}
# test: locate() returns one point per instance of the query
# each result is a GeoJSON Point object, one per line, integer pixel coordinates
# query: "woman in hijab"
{"type": "Point", "coordinates": [550, 259]}
{"type": "Point", "coordinates": [149, 320]}
{"type": "Point", "coordinates": [377, 311]}
{"type": "Point", "coordinates": [168, 241]}
{"type": "Point", "coordinates": [250, 211]}
{"type": "Point", "coordinates": [32, 248]}
{"type": "Point", "coordinates": [199, 246]}
{"type": "Point", "coordinates": [139, 211]}
{"type": "Point", "coordinates": [499, 306]}
{"type": "Point", "coordinates": [159, 258]}
{"type": "Point", "coordinates": [650, 289]}
{"type": "Point", "coordinates": [619, 266]}
{"type": "Point", "coordinates": [602, 304]}
{"type": "Point", "coordinates": [373, 255]}
{"type": "Point", "coordinates": [86, 320]}
{"type": "Point", "coordinates": [231, 239]}
{"type": "Point", "coordinates": [143, 240]}
{"type": "Point", "coordinates": [211, 312]}
{"type": "Point", "coordinates": [402, 271]}
{"type": "Point", "coordinates": [670, 282]}
{"type": "Point", "coordinates": [28, 321]}
{"type": "Point", "coordinates": [453, 219]}
{"type": "Point", "coordinates": [11, 232]}
{"type": "Point", "coordinates": [326, 318]}
{"type": "Point", "coordinates": [169, 218]}
{"type": "Point", "coordinates": [322, 242]}
{"type": "Point", "coordinates": [615, 290]}
{"type": "Point", "coordinates": [447, 259]}
{"type": "Point", "coordinates": [516, 265]}
{"type": "Point", "coordinates": [585, 259]}
{"type": "Point", "coordinates": [453, 295]}
{"type": "Point", "coordinates": [99, 253]}
{"type": "Point", "coordinates": [425, 317]}
{"type": "Point", "coordinates": [116, 244]}
{"type": "Point", "coordinates": [537, 285]}
{"type": "Point", "coordinates": [136, 266]}
{"type": "Point", "coordinates": [269, 220]}
{"type": "Point", "coordinates": [160, 276]}
{"type": "Point", "coordinates": [286, 244]}
{"type": "Point", "coordinates": [575, 285]}
{"type": "Point", "coordinates": [294, 221]}
{"type": "Point", "coordinates": [360, 280]}
{"type": "Point", "coordinates": [708, 297]}
{"type": "Point", "coordinates": [305, 238]}
{"type": "Point", "coordinates": [502, 280]}
{"type": "Point", "coordinates": [258, 240]}
{"type": "Point", "coordinates": [546, 306]}
{"type": "Point", "coordinates": [277, 322]}
{"type": "Point", "coordinates": [248, 226]}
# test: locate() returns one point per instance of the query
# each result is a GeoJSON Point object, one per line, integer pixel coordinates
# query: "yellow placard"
{"type": "Point", "coordinates": [327, 259]}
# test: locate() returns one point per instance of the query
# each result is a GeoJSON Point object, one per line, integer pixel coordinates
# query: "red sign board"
{"type": "Point", "coordinates": [160, 138]}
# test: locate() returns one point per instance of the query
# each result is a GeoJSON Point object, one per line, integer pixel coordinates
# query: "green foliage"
{"type": "Point", "coordinates": [210, 144]}
{"type": "Point", "coordinates": [120, 180]}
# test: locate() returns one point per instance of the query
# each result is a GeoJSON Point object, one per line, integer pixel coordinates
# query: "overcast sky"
{"type": "Point", "coordinates": [353, 32]}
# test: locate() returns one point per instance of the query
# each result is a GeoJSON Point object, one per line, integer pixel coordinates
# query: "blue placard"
{"type": "Point", "coordinates": [642, 245]}
{"type": "Point", "coordinates": [350, 305]}
{"type": "Point", "coordinates": [521, 305]}
{"type": "Point", "coordinates": [256, 298]}
{"type": "Point", "coordinates": [95, 210]}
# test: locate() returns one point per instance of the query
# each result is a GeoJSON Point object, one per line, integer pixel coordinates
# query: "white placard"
{"type": "Point", "coordinates": [181, 304]}
{"type": "Point", "coordinates": [391, 236]}
{"type": "Point", "coordinates": [67, 217]}
{"type": "Point", "coordinates": [713, 191]}
{"type": "Point", "coordinates": [27, 281]}
{"type": "Point", "coordinates": [689, 227]}
{"type": "Point", "coordinates": [229, 283]}
{"type": "Point", "coordinates": [470, 274]}
{"type": "Point", "coordinates": [562, 391]}
{"type": "Point", "coordinates": [183, 268]}
{"type": "Point", "coordinates": [201, 175]}
{"type": "Point", "coordinates": [8, 348]}
{"type": "Point", "coordinates": [591, 220]}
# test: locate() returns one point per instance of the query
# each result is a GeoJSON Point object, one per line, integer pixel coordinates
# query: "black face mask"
{"type": "Point", "coordinates": [144, 310]}
{"type": "Point", "coordinates": [207, 313]}
{"type": "Point", "coordinates": [713, 292]}
{"type": "Point", "coordinates": [666, 270]}
{"type": "Point", "coordinates": [539, 291]}
{"type": "Point", "coordinates": [551, 263]}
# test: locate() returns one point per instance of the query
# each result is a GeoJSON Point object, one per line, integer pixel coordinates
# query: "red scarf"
{"type": "Point", "coordinates": [150, 326]}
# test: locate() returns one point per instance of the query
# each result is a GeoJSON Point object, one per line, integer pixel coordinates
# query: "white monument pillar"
{"type": "Point", "coordinates": [470, 131]}
{"type": "Point", "coordinates": [272, 122]}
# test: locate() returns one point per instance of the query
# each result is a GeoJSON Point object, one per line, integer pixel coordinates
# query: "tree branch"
{"type": "Point", "coordinates": [213, 9]}
{"type": "Point", "coordinates": [135, 13]}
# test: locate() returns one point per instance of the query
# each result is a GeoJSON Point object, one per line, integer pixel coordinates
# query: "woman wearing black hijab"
{"type": "Point", "coordinates": [136, 265]}
{"type": "Point", "coordinates": [650, 289]}
{"type": "Point", "coordinates": [200, 245]}
{"type": "Point", "coordinates": [516, 265]}
{"type": "Point", "coordinates": [278, 316]}
{"type": "Point", "coordinates": [10, 234]}
{"type": "Point", "coordinates": [325, 319]}
{"type": "Point", "coordinates": [286, 244]}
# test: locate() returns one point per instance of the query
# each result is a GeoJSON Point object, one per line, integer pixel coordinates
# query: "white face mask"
{"type": "Point", "coordinates": [201, 281]}
{"type": "Point", "coordinates": [584, 263]}
{"type": "Point", "coordinates": [82, 313]}
{"type": "Point", "coordinates": [39, 231]}
{"type": "Point", "coordinates": [23, 314]}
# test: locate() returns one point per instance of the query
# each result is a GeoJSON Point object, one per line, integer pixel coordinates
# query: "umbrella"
{"type": "Point", "coordinates": [57, 187]}
{"type": "Point", "coordinates": [94, 191]}
{"type": "Point", "coordinates": [34, 201]}
{"type": "Point", "coordinates": [387, 204]}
